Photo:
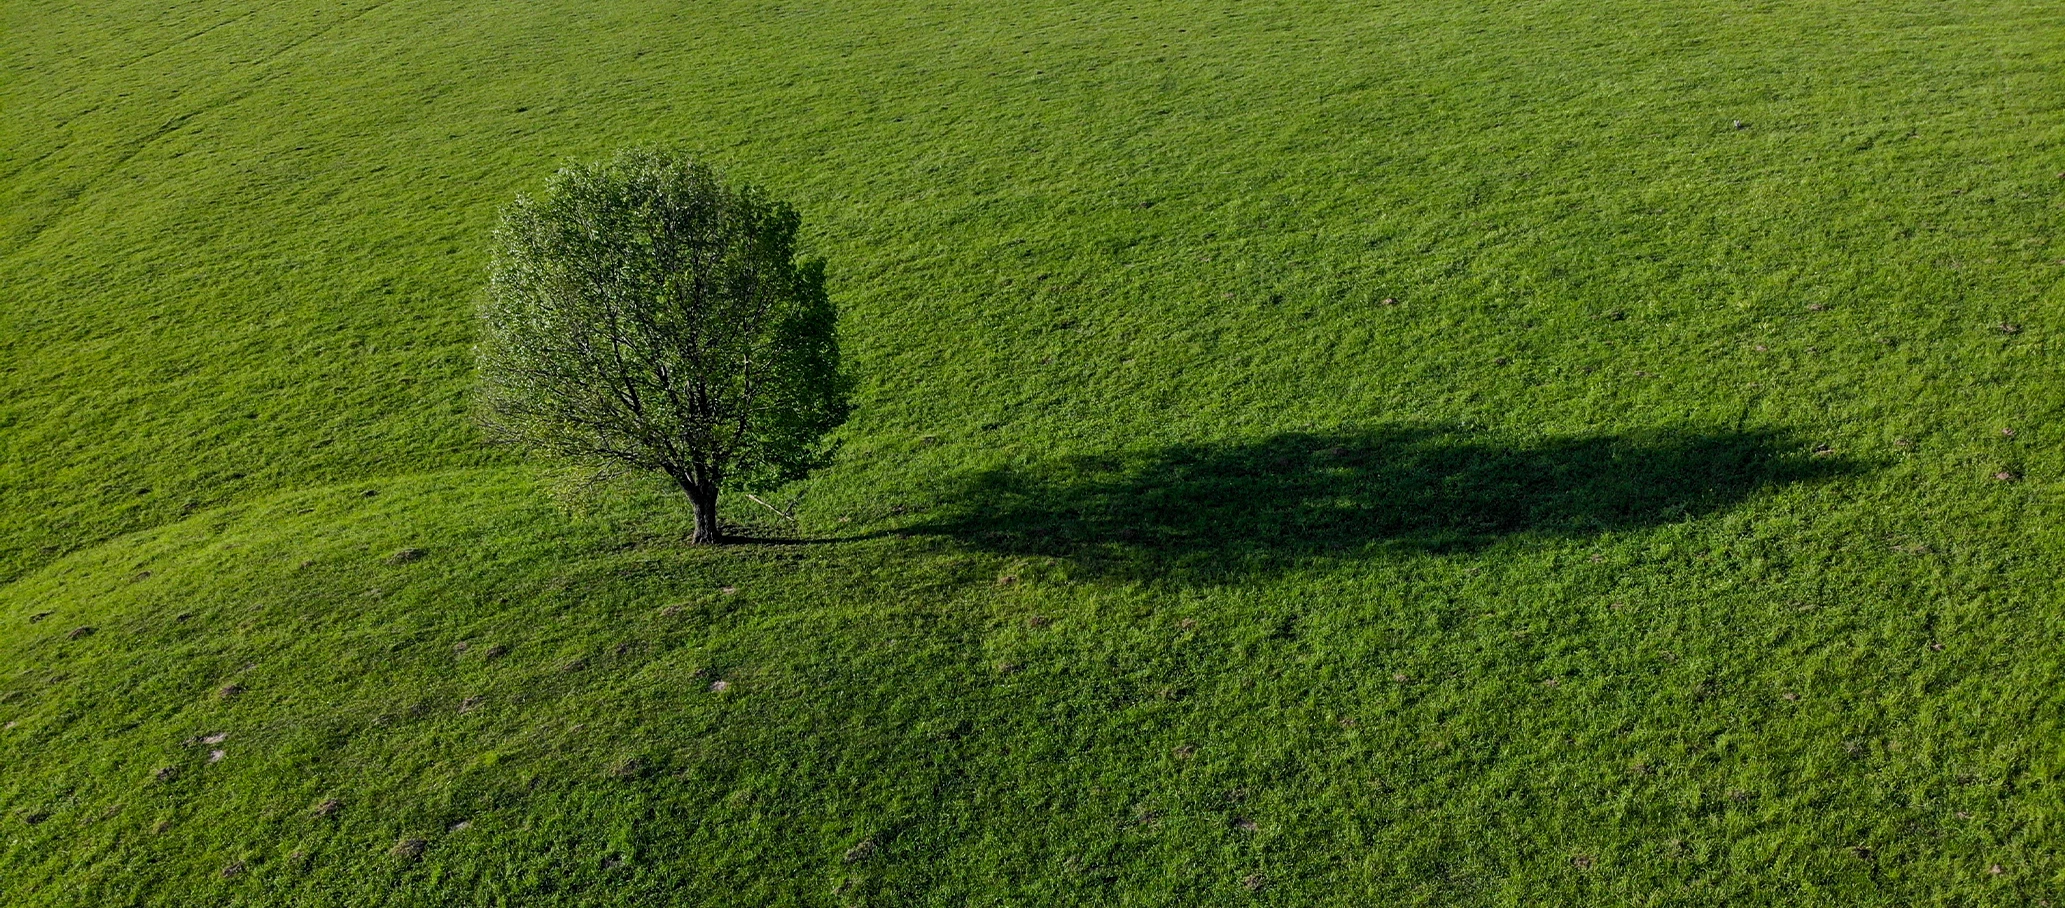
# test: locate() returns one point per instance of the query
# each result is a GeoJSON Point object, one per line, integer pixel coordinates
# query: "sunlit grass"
{"type": "Point", "coordinates": [1309, 453]}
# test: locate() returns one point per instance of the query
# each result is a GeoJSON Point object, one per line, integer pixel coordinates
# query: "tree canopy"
{"type": "Point", "coordinates": [642, 314]}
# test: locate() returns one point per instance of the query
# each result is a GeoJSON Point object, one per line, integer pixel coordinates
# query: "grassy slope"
{"type": "Point", "coordinates": [1111, 271]}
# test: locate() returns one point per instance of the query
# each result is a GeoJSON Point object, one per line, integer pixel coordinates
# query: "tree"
{"type": "Point", "coordinates": [644, 315]}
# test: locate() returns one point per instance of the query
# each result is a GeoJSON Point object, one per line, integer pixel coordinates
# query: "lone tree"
{"type": "Point", "coordinates": [644, 315]}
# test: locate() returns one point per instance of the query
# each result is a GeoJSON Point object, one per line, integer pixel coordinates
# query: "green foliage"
{"type": "Point", "coordinates": [643, 315]}
{"type": "Point", "coordinates": [1646, 549]}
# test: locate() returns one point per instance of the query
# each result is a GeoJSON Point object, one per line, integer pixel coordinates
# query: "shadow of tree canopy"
{"type": "Point", "coordinates": [1196, 511]}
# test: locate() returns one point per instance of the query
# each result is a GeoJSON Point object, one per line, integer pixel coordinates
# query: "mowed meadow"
{"type": "Point", "coordinates": [1309, 453]}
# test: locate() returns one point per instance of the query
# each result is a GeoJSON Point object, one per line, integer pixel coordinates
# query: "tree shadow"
{"type": "Point", "coordinates": [1219, 510]}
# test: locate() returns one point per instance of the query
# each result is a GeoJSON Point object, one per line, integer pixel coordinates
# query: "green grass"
{"type": "Point", "coordinates": [1309, 454]}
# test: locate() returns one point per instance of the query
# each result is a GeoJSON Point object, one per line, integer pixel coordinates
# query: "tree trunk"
{"type": "Point", "coordinates": [704, 499]}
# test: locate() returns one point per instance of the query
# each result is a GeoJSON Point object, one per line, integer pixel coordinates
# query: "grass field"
{"type": "Point", "coordinates": [1309, 454]}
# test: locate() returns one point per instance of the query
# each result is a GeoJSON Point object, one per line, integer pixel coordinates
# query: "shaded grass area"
{"type": "Point", "coordinates": [1195, 511]}
{"type": "Point", "coordinates": [1310, 454]}
{"type": "Point", "coordinates": [539, 704]}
